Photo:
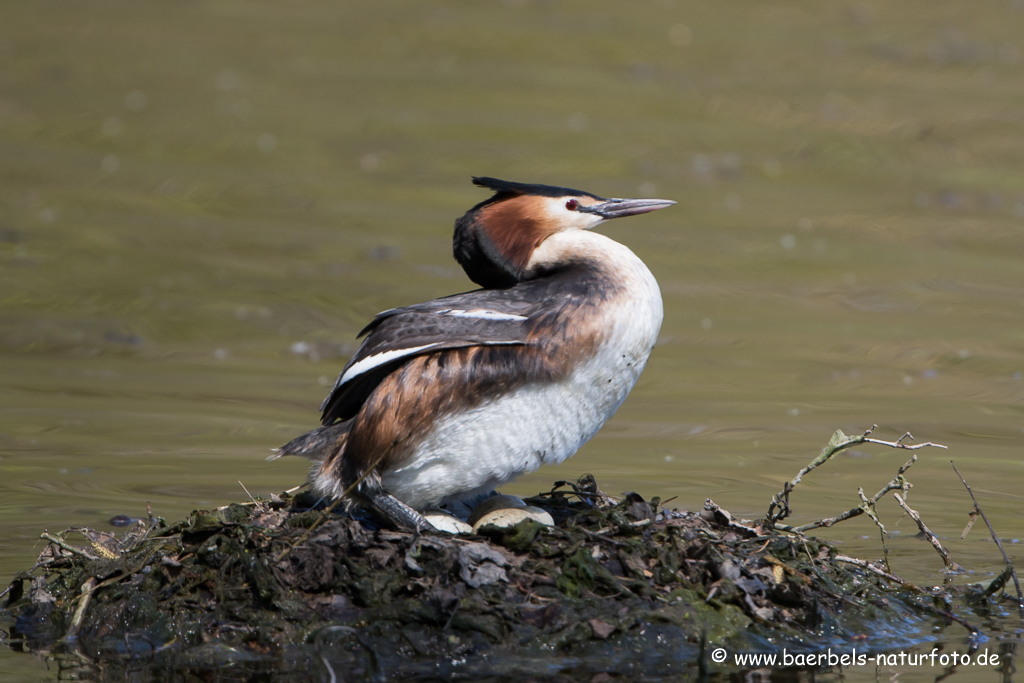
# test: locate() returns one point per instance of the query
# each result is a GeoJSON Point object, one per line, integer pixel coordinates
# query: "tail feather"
{"type": "Point", "coordinates": [318, 444]}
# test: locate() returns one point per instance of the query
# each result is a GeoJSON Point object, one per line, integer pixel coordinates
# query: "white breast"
{"type": "Point", "coordinates": [470, 453]}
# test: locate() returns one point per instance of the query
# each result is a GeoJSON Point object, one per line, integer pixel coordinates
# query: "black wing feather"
{"type": "Point", "coordinates": [430, 326]}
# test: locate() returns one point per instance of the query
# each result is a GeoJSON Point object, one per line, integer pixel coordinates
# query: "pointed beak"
{"type": "Point", "coordinates": [618, 208]}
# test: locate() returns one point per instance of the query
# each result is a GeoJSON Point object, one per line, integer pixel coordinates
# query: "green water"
{"type": "Point", "coordinates": [201, 203]}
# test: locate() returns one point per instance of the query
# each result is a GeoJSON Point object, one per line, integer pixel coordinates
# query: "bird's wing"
{"type": "Point", "coordinates": [478, 318]}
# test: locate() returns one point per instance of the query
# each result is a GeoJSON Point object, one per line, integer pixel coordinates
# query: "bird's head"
{"type": "Point", "coordinates": [495, 240]}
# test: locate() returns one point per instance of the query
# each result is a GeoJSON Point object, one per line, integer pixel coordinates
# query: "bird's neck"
{"type": "Point", "coordinates": [581, 249]}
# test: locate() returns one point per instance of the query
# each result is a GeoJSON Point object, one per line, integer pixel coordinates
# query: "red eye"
{"type": "Point", "coordinates": [572, 205]}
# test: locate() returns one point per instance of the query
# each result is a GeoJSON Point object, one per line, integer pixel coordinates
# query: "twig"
{"type": "Point", "coordinates": [258, 504]}
{"type": "Point", "coordinates": [870, 511]}
{"type": "Point", "coordinates": [867, 506]}
{"type": "Point", "coordinates": [892, 577]}
{"type": "Point", "coordinates": [932, 538]}
{"type": "Point", "coordinates": [724, 517]}
{"type": "Point", "coordinates": [83, 604]}
{"type": "Point", "coordinates": [1016, 583]}
{"type": "Point", "coordinates": [295, 488]}
{"type": "Point", "coordinates": [70, 548]}
{"type": "Point", "coordinates": [838, 442]}
{"type": "Point", "coordinates": [807, 551]}
{"type": "Point", "coordinates": [597, 536]}
{"type": "Point", "coordinates": [254, 501]}
{"type": "Point", "coordinates": [960, 620]}
{"type": "Point", "coordinates": [864, 564]}
{"type": "Point", "coordinates": [853, 512]}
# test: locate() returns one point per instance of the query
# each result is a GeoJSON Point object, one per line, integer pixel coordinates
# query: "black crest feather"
{"type": "Point", "coordinates": [506, 187]}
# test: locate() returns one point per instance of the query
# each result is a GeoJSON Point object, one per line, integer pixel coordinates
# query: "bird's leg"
{"type": "Point", "coordinates": [395, 511]}
{"type": "Point", "coordinates": [366, 489]}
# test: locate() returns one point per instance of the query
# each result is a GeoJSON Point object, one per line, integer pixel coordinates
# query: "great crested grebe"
{"type": "Point", "coordinates": [448, 399]}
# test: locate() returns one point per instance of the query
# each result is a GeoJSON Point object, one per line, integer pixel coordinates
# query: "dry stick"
{"type": "Point", "coordinates": [870, 567]}
{"type": "Point", "coordinates": [257, 503]}
{"type": "Point", "coordinates": [1016, 583]}
{"type": "Point", "coordinates": [254, 501]}
{"type": "Point", "coordinates": [70, 548]}
{"type": "Point", "coordinates": [932, 538]}
{"type": "Point", "coordinates": [868, 506]}
{"type": "Point", "coordinates": [870, 511]}
{"type": "Point", "coordinates": [892, 577]}
{"type": "Point", "coordinates": [837, 443]}
{"type": "Point", "coordinates": [853, 512]}
{"type": "Point", "coordinates": [83, 604]}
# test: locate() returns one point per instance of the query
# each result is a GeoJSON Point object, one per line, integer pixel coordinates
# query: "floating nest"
{"type": "Point", "coordinates": [615, 587]}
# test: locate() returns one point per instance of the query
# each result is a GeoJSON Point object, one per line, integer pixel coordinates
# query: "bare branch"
{"type": "Point", "coordinates": [892, 577]}
{"type": "Point", "coordinates": [864, 564]}
{"type": "Point", "coordinates": [88, 588]}
{"type": "Point", "coordinates": [898, 443]}
{"type": "Point", "coordinates": [932, 538]}
{"type": "Point", "coordinates": [1006, 559]}
{"type": "Point", "coordinates": [821, 523]}
{"type": "Point", "coordinates": [870, 511]}
{"type": "Point", "coordinates": [898, 483]}
{"type": "Point", "coordinates": [779, 508]}
{"type": "Point", "coordinates": [70, 548]}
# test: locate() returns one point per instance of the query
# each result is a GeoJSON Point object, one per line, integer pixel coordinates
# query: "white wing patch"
{"type": "Point", "coordinates": [480, 314]}
{"type": "Point", "coordinates": [378, 359]}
